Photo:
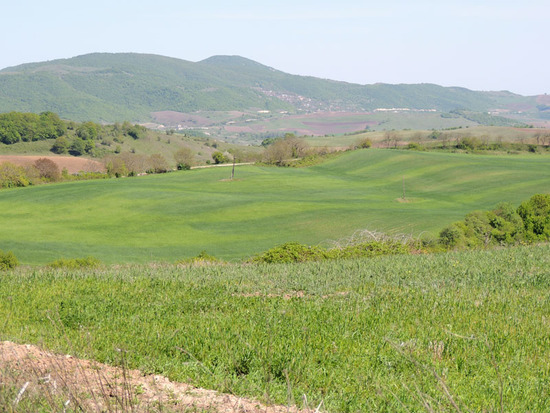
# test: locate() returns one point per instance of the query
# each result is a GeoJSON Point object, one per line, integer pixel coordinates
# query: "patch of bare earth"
{"type": "Point", "coordinates": [71, 163]}
{"type": "Point", "coordinates": [90, 386]}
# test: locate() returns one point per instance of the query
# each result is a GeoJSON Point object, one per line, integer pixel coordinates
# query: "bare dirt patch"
{"type": "Point", "coordinates": [95, 387]}
{"type": "Point", "coordinates": [72, 163]}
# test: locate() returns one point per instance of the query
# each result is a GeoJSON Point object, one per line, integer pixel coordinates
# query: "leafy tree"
{"type": "Point", "coordinates": [78, 147]}
{"type": "Point", "coordinates": [88, 131]}
{"type": "Point", "coordinates": [60, 146]}
{"type": "Point", "coordinates": [136, 131]}
{"type": "Point", "coordinates": [364, 143]}
{"type": "Point", "coordinates": [536, 217]}
{"type": "Point", "coordinates": [158, 164]}
{"type": "Point", "coordinates": [184, 158]}
{"type": "Point", "coordinates": [116, 167]}
{"type": "Point", "coordinates": [219, 158]}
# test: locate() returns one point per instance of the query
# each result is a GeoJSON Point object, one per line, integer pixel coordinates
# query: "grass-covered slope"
{"type": "Point", "coordinates": [361, 335]}
{"type": "Point", "coordinates": [177, 215]}
{"type": "Point", "coordinates": [129, 86]}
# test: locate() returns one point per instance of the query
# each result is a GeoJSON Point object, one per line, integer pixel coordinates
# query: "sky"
{"type": "Point", "coordinates": [480, 45]}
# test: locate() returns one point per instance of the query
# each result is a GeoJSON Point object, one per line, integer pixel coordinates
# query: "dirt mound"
{"type": "Point", "coordinates": [92, 386]}
{"type": "Point", "coordinates": [72, 163]}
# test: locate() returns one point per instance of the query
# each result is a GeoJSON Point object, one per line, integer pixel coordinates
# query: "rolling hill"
{"type": "Point", "coordinates": [177, 215]}
{"type": "Point", "coordinates": [127, 86]}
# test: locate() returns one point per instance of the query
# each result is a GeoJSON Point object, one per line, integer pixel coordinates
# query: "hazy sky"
{"type": "Point", "coordinates": [481, 45]}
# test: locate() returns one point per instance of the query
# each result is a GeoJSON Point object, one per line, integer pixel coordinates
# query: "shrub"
{"type": "Point", "coordinates": [369, 249]}
{"type": "Point", "coordinates": [291, 252]}
{"type": "Point", "coordinates": [157, 164]}
{"type": "Point", "coordinates": [8, 260]}
{"type": "Point", "coordinates": [202, 258]}
{"type": "Point", "coordinates": [12, 176]}
{"type": "Point", "coordinates": [75, 263]}
{"type": "Point", "coordinates": [415, 146]}
{"type": "Point", "coordinates": [47, 169]}
{"type": "Point", "coordinates": [536, 217]}
{"type": "Point", "coordinates": [364, 143]}
{"type": "Point", "coordinates": [451, 236]}
{"type": "Point", "coordinates": [219, 157]}
{"type": "Point", "coordinates": [184, 158]}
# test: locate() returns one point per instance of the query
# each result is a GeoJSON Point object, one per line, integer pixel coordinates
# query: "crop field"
{"type": "Point", "coordinates": [178, 215]}
{"type": "Point", "coordinates": [387, 334]}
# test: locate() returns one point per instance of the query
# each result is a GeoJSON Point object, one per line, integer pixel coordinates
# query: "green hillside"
{"type": "Point", "coordinates": [177, 215]}
{"type": "Point", "coordinates": [126, 86]}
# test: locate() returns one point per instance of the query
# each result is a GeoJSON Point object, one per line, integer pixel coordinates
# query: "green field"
{"type": "Point", "coordinates": [358, 335]}
{"type": "Point", "coordinates": [177, 215]}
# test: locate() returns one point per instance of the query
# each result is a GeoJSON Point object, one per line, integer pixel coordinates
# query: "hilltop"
{"type": "Point", "coordinates": [106, 87]}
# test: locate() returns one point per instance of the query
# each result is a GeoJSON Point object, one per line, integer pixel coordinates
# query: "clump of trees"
{"type": "Point", "coordinates": [69, 137]}
{"type": "Point", "coordinates": [504, 225]}
{"type": "Point", "coordinates": [131, 164]}
{"type": "Point", "coordinates": [27, 127]}
{"type": "Point", "coordinates": [280, 150]}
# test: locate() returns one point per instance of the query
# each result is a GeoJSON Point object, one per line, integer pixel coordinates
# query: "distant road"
{"type": "Point", "coordinates": [222, 164]}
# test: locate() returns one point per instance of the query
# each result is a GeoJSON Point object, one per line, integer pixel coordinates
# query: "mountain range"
{"type": "Point", "coordinates": [109, 87]}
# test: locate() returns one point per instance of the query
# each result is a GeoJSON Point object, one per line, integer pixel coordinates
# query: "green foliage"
{"type": "Point", "coordinates": [536, 217]}
{"type": "Point", "coordinates": [60, 146]}
{"type": "Point", "coordinates": [415, 146]}
{"type": "Point", "coordinates": [202, 258]}
{"type": "Point", "coordinates": [291, 252]}
{"type": "Point", "coordinates": [134, 131]}
{"type": "Point", "coordinates": [501, 226]}
{"type": "Point", "coordinates": [8, 260]}
{"type": "Point", "coordinates": [369, 249]}
{"type": "Point", "coordinates": [88, 131]}
{"type": "Point", "coordinates": [296, 252]}
{"type": "Point", "coordinates": [364, 143]}
{"type": "Point", "coordinates": [75, 263]}
{"type": "Point", "coordinates": [12, 176]}
{"type": "Point", "coordinates": [27, 127]}
{"type": "Point", "coordinates": [220, 158]}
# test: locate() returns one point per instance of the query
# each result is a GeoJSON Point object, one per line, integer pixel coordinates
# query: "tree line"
{"type": "Point", "coordinates": [70, 137]}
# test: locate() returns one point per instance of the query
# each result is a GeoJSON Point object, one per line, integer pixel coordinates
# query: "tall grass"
{"type": "Point", "coordinates": [400, 333]}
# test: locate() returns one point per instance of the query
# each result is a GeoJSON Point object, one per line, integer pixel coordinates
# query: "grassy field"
{"type": "Point", "coordinates": [385, 335]}
{"type": "Point", "coordinates": [177, 215]}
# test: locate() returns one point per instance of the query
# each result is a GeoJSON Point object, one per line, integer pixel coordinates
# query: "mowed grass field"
{"type": "Point", "coordinates": [177, 215]}
{"type": "Point", "coordinates": [389, 334]}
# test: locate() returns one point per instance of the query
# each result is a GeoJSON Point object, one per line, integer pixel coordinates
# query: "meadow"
{"type": "Point", "coordinates": [462, 331]}
{"type": "Point", "coordinates": [178, 215]}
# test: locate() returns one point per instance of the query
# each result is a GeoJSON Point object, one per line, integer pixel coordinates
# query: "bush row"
{"type": "Point", "coordinates": [504, 225]}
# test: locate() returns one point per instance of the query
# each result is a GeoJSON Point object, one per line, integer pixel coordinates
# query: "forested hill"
{"type": "Point", "coordinates": [113, 87]}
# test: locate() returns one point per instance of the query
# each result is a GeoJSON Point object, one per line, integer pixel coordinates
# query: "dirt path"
{"type": "Point", "coordinates": [221, 165]}
{"type": "Point", "coordinates": [97, 387]}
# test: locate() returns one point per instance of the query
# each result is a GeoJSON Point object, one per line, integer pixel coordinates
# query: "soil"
{"type": "Point", "coordinates": [73, 164]}
{"type": "Point", "coordinates": [97, 387]}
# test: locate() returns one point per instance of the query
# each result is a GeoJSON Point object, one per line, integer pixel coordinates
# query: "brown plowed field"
{"type": "Point", "coordinates": [72, 163]}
